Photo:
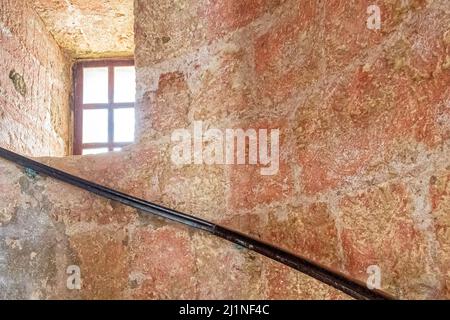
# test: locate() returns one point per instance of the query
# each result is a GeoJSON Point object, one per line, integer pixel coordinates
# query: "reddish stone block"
{"type": "Point", "coordinates": [75, 207]}
{"type": "Point", "coordinates": [312, 289]}
{"type": "Point", "coordinates": [134, 171]}
{"type": "Point", "coordinates": [281, 282]}
{"type": "Point", "coordinates": [335, 138]}
{"type": "Point", "coordinates": [377, 229]}
{"type": "Point", "coordinates": [225, 16]}
{"type": "Point", "coordinates": [346, 32]}
{"type": "Point", "coordinates": [287, 58]}
{"type": "Point", "coordinates": [248, 187]}
{"type": "Point", "coordinates": [162, 264]}
{"type": "Point", "coordinates": [142, 171]}
{"type": "Point", "coordinates": [247, 223]}
{"type": "Point", "coordinates": [285, 283]}
{"type": "Point", "coordinates": [191, 189]}
{"type": "Point", "coordinates": [307, 231]}
{"type": "Point", "coordinates": [226, 271]}
{"type": "Point", "coordinates": [172, 103]}
{"type": "Point", "coordinates": [421, 60]}
{"type": "Point", "coordinates": [440, 200]}
{"type": "Point", "coordinates": [103, 260]}
{"type": "Point", "coordinates": [361, 117]}
{"type": "Point", "coordinates": [225, 89]}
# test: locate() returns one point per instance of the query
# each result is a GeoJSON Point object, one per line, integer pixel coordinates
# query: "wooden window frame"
{"type": "Point", "coordinates": [78, 144]}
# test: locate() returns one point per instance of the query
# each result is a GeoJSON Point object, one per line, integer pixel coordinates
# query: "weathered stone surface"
{"type": "Point", "coordinates": [378, 229]}
{"type": "Point", "coordinates": [171, 107]}
{"type": "Point", "coordinates": [32, 245]}
{"type": "Point", "coordinates": [400, 95]}
{"type": "Point", "coordinates": [123, 255]}
{"type": "Point", "coordinates": [163, 264]}
{"type": "Point", "coordinates": [10, 190]}
{"type": "Point", "coordinates": [35, 85]}
{"type": "Point", "coordinates": [224, 90]}
{"type": "Point", "coordinates": [136, 172]}
{"type": "Point", "coordinates": [309, 231]}
{"type": "Point", "coordinates": [364, 124]}
{"type": "Point", "coordinates": [346, 34]}
{"type": "Point", "coordinates": [284, 283]}
{"type": "Point", "coordinates": [179, 27]}
{"type": "Point", "coordinates": [223, 17]}
{"type": "Point", "coordinates": [440, 199]}
{"type": "Point", "coordinates": [103, 260]}
{"type": "Point", "coordinates": [196, 190]}
{"type": "Point", "coordinates": [314, 233]}
{"type": "Point", "coordinates": [238, 272]}
{"type": "Point", "coordinates": [90, 29]}
{"type": "Point", "coordinates": [248, 188]}
{"type": "Point", "coordinates": [287, 57]}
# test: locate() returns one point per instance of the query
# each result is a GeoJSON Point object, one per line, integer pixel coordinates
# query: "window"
{"type": "Point", "coordinates": [104, 106]}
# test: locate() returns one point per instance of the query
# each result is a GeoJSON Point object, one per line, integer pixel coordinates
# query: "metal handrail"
{"type": "Point", "coordinates": [335, 279]}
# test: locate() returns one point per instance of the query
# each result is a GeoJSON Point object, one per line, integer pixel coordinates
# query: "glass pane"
{"type": "Point", "coordinates": [124, 84]}
{"type": "Point", "coordinates": [94, 151]}
{"type": "Point", "coordinates": [95, 85]}
{"type": "Point", "coordinates": [95, 125]}
{"type": "Point", "coordinates": [117, 149]}
{"type": "Point", "coordinates": [124, 125]}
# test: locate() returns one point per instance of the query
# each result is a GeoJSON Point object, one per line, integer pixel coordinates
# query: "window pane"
{"type": "Point", "coordinates": [94, 151]}
{"type": "Point", "coordinates": [95, 125]}
{"type": "Point", "coordinates": [124, 125]}
{"type": "Point", "coordinates": [95, 85]}
{"type": "Point", "coordinates": [124, 84]}
{"type": "Point", "coordinates": [117, 149]}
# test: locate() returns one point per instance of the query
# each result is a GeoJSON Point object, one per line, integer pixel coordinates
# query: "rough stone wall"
{"type": "Point", "coordinates": [46, 226]}
{"type": "Point", "coordinates": [364, 118]}
{"type": "Point", "coordinates": [364, 171]}
{"type": "Point", "coordinates": [35, 85]}
{"type": "Point", "coordinates": [90, 29]}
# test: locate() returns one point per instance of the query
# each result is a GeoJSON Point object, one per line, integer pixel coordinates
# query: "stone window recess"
{"type": "Point", "coordinates": [104, 106]}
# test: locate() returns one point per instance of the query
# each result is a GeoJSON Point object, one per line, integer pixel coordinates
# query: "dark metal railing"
{"type": "Point", "coordinates": [335, 279]}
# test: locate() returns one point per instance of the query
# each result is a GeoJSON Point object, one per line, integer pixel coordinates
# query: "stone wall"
{"type": "Point", "coordinates": [47, 226]}
{"type": "Point", "coordinates": [364, 173]}
{"type": "Point", "coordinates": [90, 29]}
{"type": "Point", "coordinates": [35, 85]}
{"type": "Point", "coordinates": [364, 118]}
